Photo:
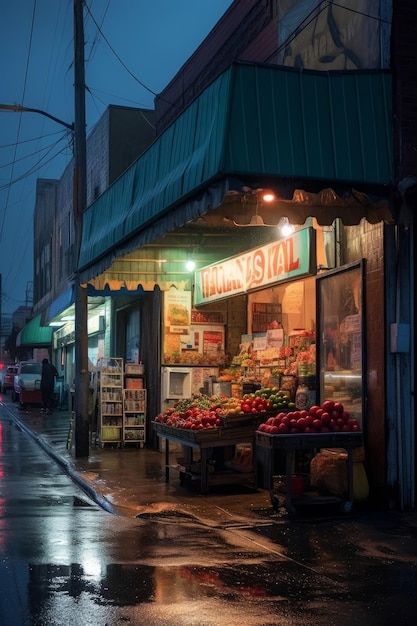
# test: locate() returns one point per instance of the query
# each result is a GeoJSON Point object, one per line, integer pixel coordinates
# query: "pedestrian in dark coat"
{"type": "Point", "coordinates": [49, 374]}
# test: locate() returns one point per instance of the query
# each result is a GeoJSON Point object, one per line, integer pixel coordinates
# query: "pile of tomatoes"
{"type": "Point", "coordinates": [329, 417]}
{"type": "Point", "coordinates": [194, 413]}
{"type": "Point", "coordinates": [266, 400]}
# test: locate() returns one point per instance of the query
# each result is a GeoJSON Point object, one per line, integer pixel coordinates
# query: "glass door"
{"type": "Point", "coordinates": [341, 338]}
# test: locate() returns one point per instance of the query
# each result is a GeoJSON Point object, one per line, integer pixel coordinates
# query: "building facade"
{"type": "Point", "coordinates": [342, 155]}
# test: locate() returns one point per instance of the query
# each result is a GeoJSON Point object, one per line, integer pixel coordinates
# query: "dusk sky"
{"type": "Point", "coordinates": [152, 39]}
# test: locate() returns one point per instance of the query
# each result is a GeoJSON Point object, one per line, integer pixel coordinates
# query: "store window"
{"type": "Point", "coordinates": [132, 337]}
{"type": "Point", "coordinates": [340, 337]}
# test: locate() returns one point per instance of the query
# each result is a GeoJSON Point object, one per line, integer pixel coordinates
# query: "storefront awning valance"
{"type": "Point", "coordinates": [253, 123]}
{"type": "Point", "coordinates": [34, 335]}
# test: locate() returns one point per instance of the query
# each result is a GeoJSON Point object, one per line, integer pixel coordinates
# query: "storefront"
{"type": "Point", "coordinates": [203, 201]}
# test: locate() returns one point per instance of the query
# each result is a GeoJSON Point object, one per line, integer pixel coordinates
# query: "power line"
{"type": "Point", "coordinates": [125, 66]}
{"type": "Point", "coordinates": [32, 170]}
{"type": "Point", "coordinates": [118, 57]}
{"type": "Point", "coordinates": [20, 120]}
{"type": "Point", "coordinates": [31, 154]}
{"type": "Point", "coordinates": [20, 143]}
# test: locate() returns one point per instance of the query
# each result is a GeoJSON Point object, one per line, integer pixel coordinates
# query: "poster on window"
{"type": "Point", "coordinates": [177, 310]}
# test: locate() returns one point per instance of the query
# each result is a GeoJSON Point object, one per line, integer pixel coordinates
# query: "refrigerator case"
{"type": "Point", "coordinates": [175, 385]}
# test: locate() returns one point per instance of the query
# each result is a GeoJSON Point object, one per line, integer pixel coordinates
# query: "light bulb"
{"type": "Point", "coordinates": [285, 227]}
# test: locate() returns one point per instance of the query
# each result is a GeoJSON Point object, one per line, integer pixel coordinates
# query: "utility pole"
{"type": "Point", "coordinates": [80, 200]}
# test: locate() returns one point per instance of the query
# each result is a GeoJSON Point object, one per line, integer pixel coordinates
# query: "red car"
{"type": "Point", "coordinates": [7, 378]}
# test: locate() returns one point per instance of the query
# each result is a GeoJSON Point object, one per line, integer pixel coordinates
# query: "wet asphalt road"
{"type": "Point", "coordinates": [63, 560]}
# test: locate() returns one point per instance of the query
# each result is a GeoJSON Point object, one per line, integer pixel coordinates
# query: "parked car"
{"type": "Point", "coordinates": [7, 378]}
{"type": "Point", "coordinates": [27, 383]}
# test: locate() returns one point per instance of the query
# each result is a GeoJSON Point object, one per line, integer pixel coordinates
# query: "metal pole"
{"type": "Point", "coordinates": [1, 325]}
{"type": "Point", "coordinates": [80, 199]}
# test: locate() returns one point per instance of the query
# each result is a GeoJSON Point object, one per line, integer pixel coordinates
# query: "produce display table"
{"type": "Point", "coordinates": [289, 444]}
{"type": "Point", "coordinates": [204, 441]}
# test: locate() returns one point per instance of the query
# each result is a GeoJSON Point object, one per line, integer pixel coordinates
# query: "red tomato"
{"type": "Point", "coordinates": [338, 406]}
{"type": "Point", "coordinates": [328, 406]}
{"type": "Point", "coordinates": [313, 410]}
{"type": "Point", "coordinates": [282, 428]}
{"type": "Point", "coordinates": [325, 418]}
{"type": "Point", "coordinates": [301, 423]}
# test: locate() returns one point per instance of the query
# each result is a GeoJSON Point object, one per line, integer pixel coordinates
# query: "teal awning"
{"type": "Point", "coordinates": [254, 122]}
{"type": "Point", "coordinates": [34, 335]}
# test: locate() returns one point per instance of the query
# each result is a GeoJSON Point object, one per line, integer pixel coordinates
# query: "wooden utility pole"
{"type": "Point", "coordinates": [82, 382]}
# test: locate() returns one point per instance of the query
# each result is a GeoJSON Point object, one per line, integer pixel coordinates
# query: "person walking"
{"type": "Point", "coordinates": [49, 374]}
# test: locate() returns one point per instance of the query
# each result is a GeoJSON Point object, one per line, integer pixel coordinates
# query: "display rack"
{"type": "Point", "coordinates": [134, 405]}
{"type": "Point", "coordinates": [134, 412]}
{"type": "Point", "coordinates": [110, 385]}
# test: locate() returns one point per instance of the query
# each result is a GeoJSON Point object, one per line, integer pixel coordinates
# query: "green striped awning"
{"type": "Point", "coordinates": [254, 122]}
{"type": "Point", "coordinates": [34, 335]}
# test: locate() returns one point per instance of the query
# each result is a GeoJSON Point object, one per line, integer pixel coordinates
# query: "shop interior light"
{"type": "Point", "coordinates": [190, 265]}
{"type": "Point", "coordinates": [268, 196]}
{"type": "Point", "coordinates": [285, 227]}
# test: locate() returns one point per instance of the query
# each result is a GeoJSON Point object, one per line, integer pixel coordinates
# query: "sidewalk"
{"type": "Point", "coordinates": [130, 481]}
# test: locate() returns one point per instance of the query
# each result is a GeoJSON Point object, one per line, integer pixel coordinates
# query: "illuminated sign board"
{"type": "Point", "coordinates": [279, 261]}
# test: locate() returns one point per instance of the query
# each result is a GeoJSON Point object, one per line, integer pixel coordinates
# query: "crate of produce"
{"type": "Point", "coordinates": [205, 434]}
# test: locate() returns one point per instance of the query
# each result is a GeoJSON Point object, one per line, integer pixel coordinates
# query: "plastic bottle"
{"type": "Point", "coordinates": [302, 395]}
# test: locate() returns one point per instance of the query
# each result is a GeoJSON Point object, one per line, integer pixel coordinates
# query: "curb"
{"type": "Point", "coordinates": [66, 464]}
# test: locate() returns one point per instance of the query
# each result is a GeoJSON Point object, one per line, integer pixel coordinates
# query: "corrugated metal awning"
{"type": "Point", "coordinates": [254, 125]}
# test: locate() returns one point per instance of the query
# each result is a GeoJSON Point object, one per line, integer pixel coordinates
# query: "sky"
{"type": "Point", "coordinates": [140, 48]}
